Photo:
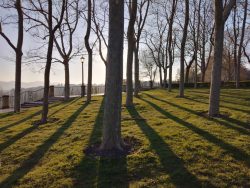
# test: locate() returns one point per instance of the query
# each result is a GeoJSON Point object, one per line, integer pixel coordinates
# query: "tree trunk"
{"type": "Point", "coordinates": [214, 99]}
{"type": "Point", "coordinates": [18, 57]}
{"type": "Point", "coordinates": [170, 77]}
{"type": "Point", "coordinates": [86, 39]}
{"type": "Point", "coordinates": [183, 43]}
{"type": "Point", "coordinates": [66, 84]}
{"type": "Point", "coordinates": [160, 74]}
{"type": "Point", "coordinates": [131, 45]}
{"type": "Point", "coordinates": [187, 74]}
{"type": "Point", "coordinates": [114, 73]}
{"type": "Point", "coordinates": [240, 45]}
{"type": "Point", "coordinates": [165, 74]}
{"type": "Point", "coordinates": [137, 80]}
{"type": "Point", "coordinates": [46, 80]}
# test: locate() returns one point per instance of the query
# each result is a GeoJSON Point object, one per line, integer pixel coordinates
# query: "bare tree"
{"type": "Point", "coordinates": [113, 98]}
{"type": "Point", "coordinates": [18, 49]}
{"type": "Point", "coordinates": [41, 14]}
{"type": "Point", "coordinates": [241, 44]}
{"type": "Point", "coordinates": [90, 52]}
{"type": "Point", "coordinates": [183, 43]}
{"type": "Point", "coordinates": [140, 22]}
{"type": "Point", "coordinates": [64, 40]}
{"type": "Point", "coordinates": [170, 42]}
{"type": "Point", "coordinates": [131, 44]}
{"type": "Point", "coordinates": [221, 15]}
{"type": "Point", "coordinates": [148, 66]}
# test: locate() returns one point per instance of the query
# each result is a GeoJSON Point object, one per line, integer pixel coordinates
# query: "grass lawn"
{"type": "Point", "coordinates": [180, 147]}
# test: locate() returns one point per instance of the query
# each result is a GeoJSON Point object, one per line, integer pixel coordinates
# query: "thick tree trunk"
{"type": "Point", "coordinates": [66, 84]}
{"type": "Point", "coordinates": [114, 73]}
{"type": "Point", "coordinates": [214, 99]}
{"type": "Point", "coordinates": [183, 43]}
{"type": "Point", "coordinates": [19, 54]}
{"type": "Point", "coordinates": [131, 45]}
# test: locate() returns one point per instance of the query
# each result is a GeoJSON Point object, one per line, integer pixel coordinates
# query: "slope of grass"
{"type": "Point", "coordinates": [180, 146]}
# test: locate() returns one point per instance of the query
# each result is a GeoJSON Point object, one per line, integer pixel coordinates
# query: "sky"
{"type": "Point", "coordinates": [34, 73]}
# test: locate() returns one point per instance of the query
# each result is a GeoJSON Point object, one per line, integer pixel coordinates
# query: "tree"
{"type": "Point", "coordinates": [140, 22]}
{"type": "Point", "coordinates": [221, 15]}
{"type": "Point", "coordinates": [170, 42]}
{"type": "Point", "coordinates": [149, 66]}
{"type": "Point", "coordinates": [17, 49]}
{"type": "Point", "coordinates": [65, 38]}
{"type": "Point", "coordinates": [131, 44]}
{"type": "Point", "coordinates": [114, 73]}
{"type": "Point", "coordinates": [42, 14]}
{"type": "Point", "coordinates": [241, 44]}
{"type": "Point", "coordinates": [90, 53]}
{"type": "Point", "coordinates": [183, 42]}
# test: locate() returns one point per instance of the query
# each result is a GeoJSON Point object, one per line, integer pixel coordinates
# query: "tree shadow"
{"type": "Point", "coordinates": [65, 105]}
{"type": "Point", "coordinates": [113, 172]}
{"type": "Point", "coordinates": [235, 152]}
{"type": "Point", "coordinates": [25, 119]}
{"type": "Point", "coordinates": [201, 101]}
{"type": "Point", "coordinates": [95, 171]}
{"type": "Point", "coordinates": [173, 165]}
{"type": "Point", "coordinates": [4, 115]}
{"type": "Point", "coordinates": [37, 155]}
{"type": "Point", "coordinates": [228, 125]}
{"type": "Point", "coordinates": [20, 135]}
{"type": "Point", "coordinates": [222, 100]}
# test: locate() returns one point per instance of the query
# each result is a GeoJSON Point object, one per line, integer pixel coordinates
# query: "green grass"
{"type": "Point", "coordinates": [180, 148]}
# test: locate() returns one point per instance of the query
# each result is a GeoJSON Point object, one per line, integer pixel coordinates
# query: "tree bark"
{"type": "Point", "coordinates": [136, 73]}
{"type": "Point", "coordinates": [131, 45]}
{"type": "Point", "coordinates": [170, 77]}
{"type": "Point", "coordinates": [183, 43]}
{"type": "Point", "coordinates": [52, 31]}
{"type": "Point", "coordinates": [66, 85]}
{"type": "Point", "coordinates": [114, 73]}
{"type": "Point", "coordinates": [240, 45]}
{"type": "Point", "coordinates": [86, 39]}
{"type": "Point", "coordinates": [19, 54]}
{"type": "Point", "coordinates": [220, 18]}
{"type": "Point", "coordinates": [160, 74]}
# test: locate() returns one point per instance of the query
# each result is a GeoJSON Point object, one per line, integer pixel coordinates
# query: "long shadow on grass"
{"type": "Point", "coordinates": [172, 164]}
{"type": "Point", "coordinates": [6, 115]}
{"type": "Point", "coordinates": [226, 101]}
{"type": "Point", "coordinates": [35, 157]}
{"type": "Point", "coordinates": [201, 101]}
{"type": "Point", "coordinates": [26, 131]}
{"type": "Point", "coordinates": [95, 171]}
{"type": "Point", "coordinates": [25, 119]}
{"type": "Point", "coordinates": [234, 151]}
{"type": "Point", "coordinates": [228, 125]}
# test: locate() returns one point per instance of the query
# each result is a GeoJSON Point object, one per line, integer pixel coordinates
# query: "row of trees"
{"type": "Point", "coordinates": [159, 34]}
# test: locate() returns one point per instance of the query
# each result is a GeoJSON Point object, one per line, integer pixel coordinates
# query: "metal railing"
{"type": "Point", "coordinates": [36, 95]}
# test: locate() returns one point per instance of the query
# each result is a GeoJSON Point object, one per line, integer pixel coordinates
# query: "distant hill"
{"type": "Point", "coordinates": [6, 86]}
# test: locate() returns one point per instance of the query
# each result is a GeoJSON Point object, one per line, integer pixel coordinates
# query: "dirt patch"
{"type": "Point", "coordinates": [131, 145]}
{"type": "Point", "coordinates": [221, 115]}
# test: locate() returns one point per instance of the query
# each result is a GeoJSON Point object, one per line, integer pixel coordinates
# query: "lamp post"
{"type": "Point", "coordinates": [83, 86]}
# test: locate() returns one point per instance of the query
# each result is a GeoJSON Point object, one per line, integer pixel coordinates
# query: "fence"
{"type": "Point", "coordinates": [32, 96]}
